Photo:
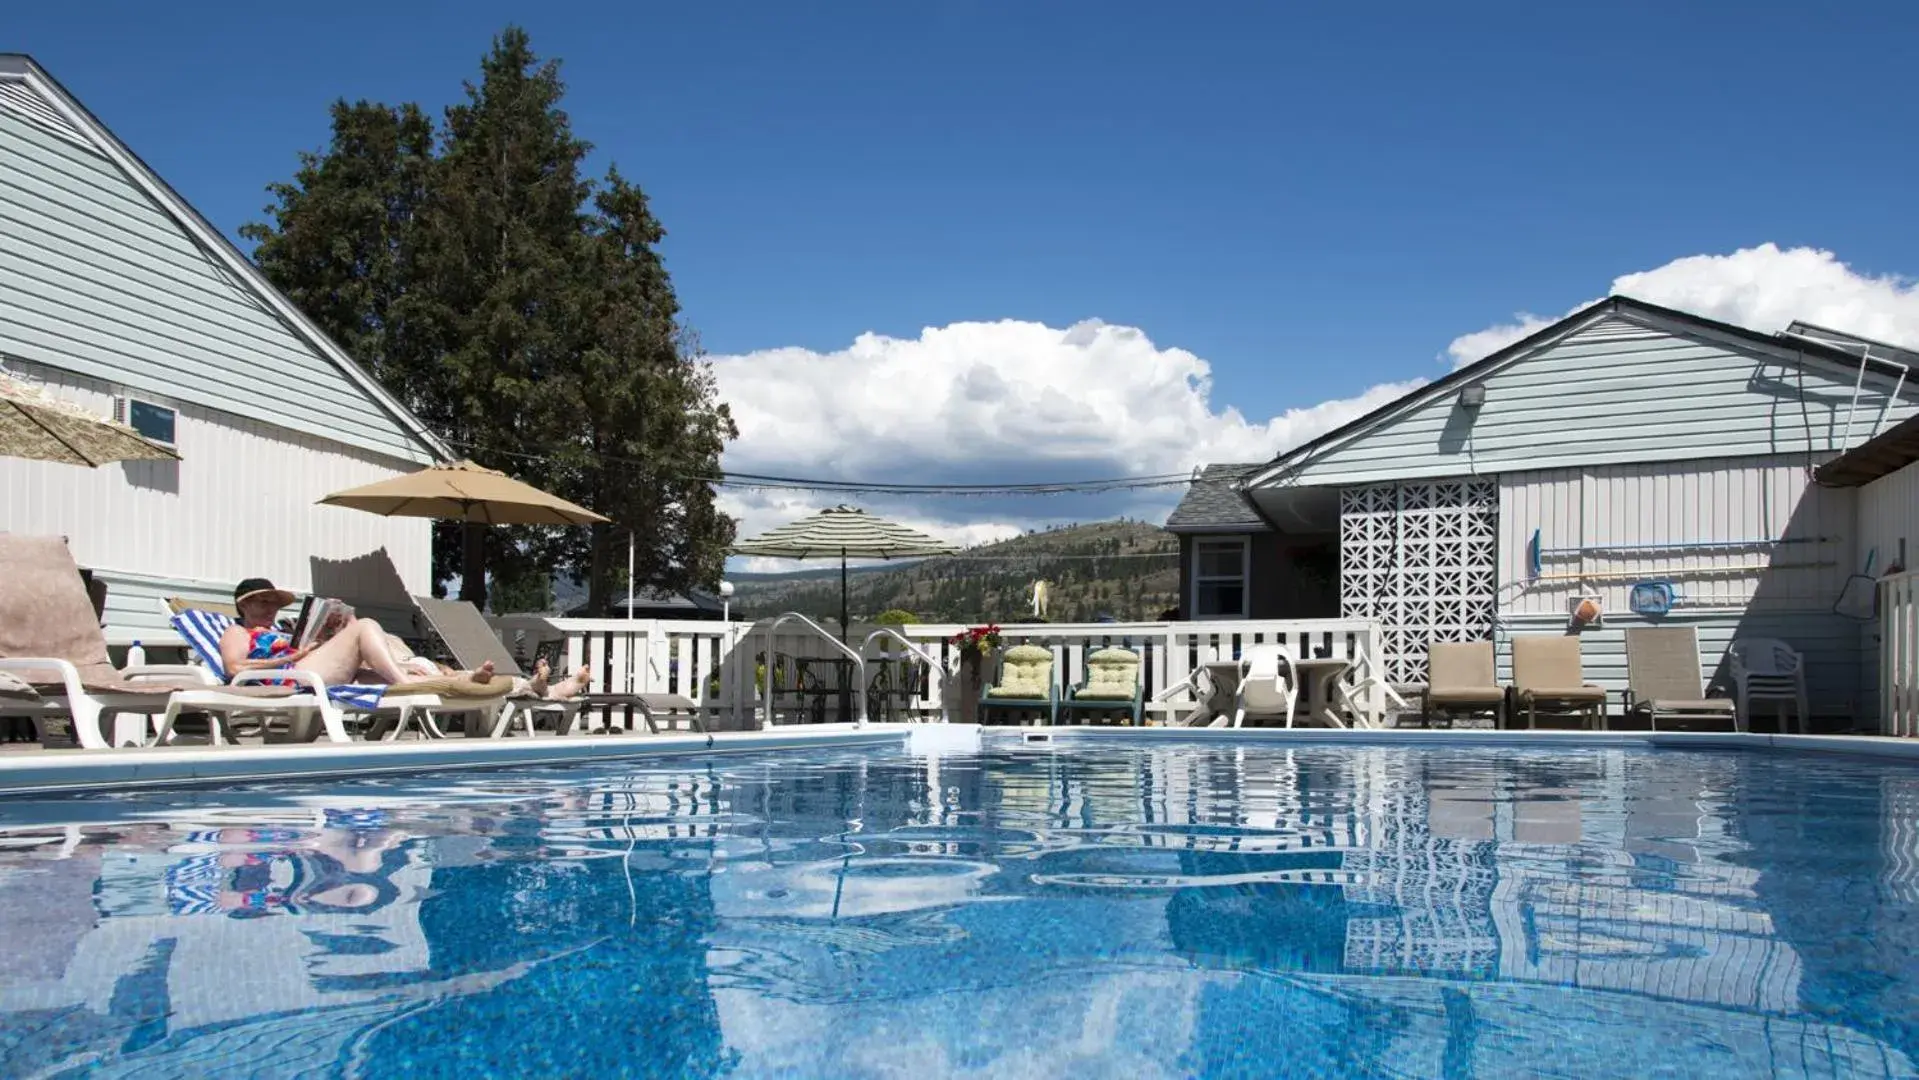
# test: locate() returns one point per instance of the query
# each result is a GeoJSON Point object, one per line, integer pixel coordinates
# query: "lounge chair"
{"type": "Point", "coordinates": [51, 641]}
{"type": "Point", "coordinates": [1771, 670]}
{"type": "Point", "coordinates": [1548, 678]}
{"type": "Point", "coordinates": [1462, 679]}
{"type": "Point", "coordinates": [653, 707]}
{"type": "Point", "coordinates": [1025, 683]}
{"type": "Point", "coordinates": [1112, 685]}
{"type": "Point", "coordinates": [1663, 680]}
{"type": "Point", "coordinates": [416, 699]}
{"type": "Point", "coordinates": [1268, 684]}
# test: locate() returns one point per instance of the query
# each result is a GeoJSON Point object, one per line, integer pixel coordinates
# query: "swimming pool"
{"type": "Point", "coordinates": [1095, 906]}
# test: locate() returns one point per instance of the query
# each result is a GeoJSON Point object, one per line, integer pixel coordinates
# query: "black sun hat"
{"type": "Point", "coordinates": [261, 587]}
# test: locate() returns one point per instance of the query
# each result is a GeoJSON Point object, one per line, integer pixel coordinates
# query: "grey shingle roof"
{"type": "Point", "coordinates": [1211, 504]}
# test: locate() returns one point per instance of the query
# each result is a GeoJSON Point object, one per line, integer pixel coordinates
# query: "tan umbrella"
{"type": "Point", "coordinates": [36, 425]}
{"type": "Point", "coordinates": [463, 491]}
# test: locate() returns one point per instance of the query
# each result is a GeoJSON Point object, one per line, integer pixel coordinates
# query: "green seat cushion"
{"type": "Point", "coordinates": [1111, 675]}
{"type": "Point", "coordinates": [1025, 673]}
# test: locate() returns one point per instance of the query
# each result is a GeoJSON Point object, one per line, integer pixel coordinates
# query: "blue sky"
{"type": "Point", "coordinates": [1312, 201]}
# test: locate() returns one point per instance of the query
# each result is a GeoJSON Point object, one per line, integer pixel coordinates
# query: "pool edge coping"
{"type": "Point", "coordinates": [58, 773]}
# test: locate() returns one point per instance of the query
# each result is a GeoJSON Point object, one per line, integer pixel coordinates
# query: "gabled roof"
{"type": "Point", "coordinates": [1213, 503]}
{"type": "Point", "coordinates": [60, 113]}
{"type": "Point", "coordinates": [1785, 345]}
{"type": "Point", "coordinates": [1885, 454]}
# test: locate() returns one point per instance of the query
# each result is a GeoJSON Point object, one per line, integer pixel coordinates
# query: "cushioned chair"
{"type": "Point", "coordinates": [1025, 684]}
{"type": "Point", "coordinates": [51, 641]}
{"type": "Point", "coordinates": [1112, 685]}
{"type": "Point", "coordinates": [1462, 679]}
{"type": "Point", "coordinates": [1548, 677]}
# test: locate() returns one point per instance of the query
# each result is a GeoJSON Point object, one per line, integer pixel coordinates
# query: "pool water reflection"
{"type": "Point", "coordinates": [1105, 908]}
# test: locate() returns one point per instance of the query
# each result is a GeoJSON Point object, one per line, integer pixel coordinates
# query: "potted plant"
{"type": "Point", "coordinates": [976, 645]}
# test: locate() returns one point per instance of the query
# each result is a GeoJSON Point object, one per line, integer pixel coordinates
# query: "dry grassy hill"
{"type": "Point", "coordinates": [1124, 570]}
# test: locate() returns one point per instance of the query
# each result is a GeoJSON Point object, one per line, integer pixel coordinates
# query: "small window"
{"type": "Point", "coordinates": [150, 419]}
{"type": "Point", "coordinates": [1219, 578]}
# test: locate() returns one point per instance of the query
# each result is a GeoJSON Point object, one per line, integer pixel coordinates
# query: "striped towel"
{"type": "Point", "coordinates": [203, 630]}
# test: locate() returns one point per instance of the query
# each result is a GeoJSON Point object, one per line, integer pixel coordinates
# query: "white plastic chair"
{"type": "Point", "coordinates": [1768, 669]}
{"type": "Point", "coordinates": [1268, 684]}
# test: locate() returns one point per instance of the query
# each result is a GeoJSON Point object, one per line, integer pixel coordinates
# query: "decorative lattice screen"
{"type": "Point", "coordinates": [1420, 558]}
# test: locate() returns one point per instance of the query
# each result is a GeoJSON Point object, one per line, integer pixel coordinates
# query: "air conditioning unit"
{"type": "Point", "coordinates": [157, 422]}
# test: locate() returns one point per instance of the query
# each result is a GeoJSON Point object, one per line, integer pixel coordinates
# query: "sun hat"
{"type": "Point", "coordinates": [259, 586]}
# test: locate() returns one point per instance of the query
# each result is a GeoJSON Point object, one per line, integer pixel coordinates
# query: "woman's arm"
{"type": "Point", "coordinates": [233, 653]}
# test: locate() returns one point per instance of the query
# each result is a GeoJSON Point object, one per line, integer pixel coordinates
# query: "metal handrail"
{"type": "Point", "coordinates": [859, 683]}
{"type": "Point", "coordinates": [932, 662]}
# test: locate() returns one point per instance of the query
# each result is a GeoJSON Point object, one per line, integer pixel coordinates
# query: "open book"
{"type": "Point", "coordinates": [320, 618]}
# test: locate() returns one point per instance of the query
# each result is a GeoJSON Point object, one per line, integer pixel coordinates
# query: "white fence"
{"type": "Point", "coordinates": [723, 665]}
{"type": "Point", "coordinates": [1899, 654]}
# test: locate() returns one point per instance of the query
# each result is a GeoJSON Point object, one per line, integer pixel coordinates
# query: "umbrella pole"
{"type": "Point", "coordinates": [842, 596]}
{"type": "Point", "coordinates": [629, 573]}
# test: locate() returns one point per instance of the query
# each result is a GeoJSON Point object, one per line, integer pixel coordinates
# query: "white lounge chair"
{"type": "Point", "coordinates": [50, 639]}
{"type": "Point", "coordinates": [1268, 684]}
{"type": "Point", "coordinates": [405, 702]}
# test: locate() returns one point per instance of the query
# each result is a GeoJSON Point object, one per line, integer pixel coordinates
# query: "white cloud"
{"type": "Point", "coordinates": [1763, 288]}
{"type": "Point", "coordinates": [993, 402]}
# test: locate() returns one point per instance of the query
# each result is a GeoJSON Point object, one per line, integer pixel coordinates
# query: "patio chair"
{"type": "Point", "coordinates": [1268, 684]}
{"type": "Point", "coordinates": [1767, 669]}
{"type": "Point", "coordinates": [1548, 677]}
{"type": "Point", "coordinates": [1462, 679]}
{"type": "Point", "coordinates": [51, 642]}
{"type": "Point", "coordinates": [1112, 685]}
{"type": "Point", "coordinates": [1025, 683]}
{"type": "Point", "coordinates": [1663, 680]}
{"type": "Point", "coordinates": [467, 635]}
{"type": "Point", "coordinates": [415, 699]}
{"type": "Point", "coordinates": [471, 642]}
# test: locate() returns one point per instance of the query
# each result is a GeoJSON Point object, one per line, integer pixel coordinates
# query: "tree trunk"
{"type": "Point", "coordinates": [599, 573]}
{"type": "Point", "coordinates": [473, 563]}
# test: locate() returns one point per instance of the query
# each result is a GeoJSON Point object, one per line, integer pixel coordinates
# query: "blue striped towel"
{"type": "Point", "coordinates": [203, 630]}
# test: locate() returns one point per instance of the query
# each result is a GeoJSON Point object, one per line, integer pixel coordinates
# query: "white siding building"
{"type": "Point", "coordinates": [117, 295]}
{"type": "Point", "coordinates": [1625, 444]}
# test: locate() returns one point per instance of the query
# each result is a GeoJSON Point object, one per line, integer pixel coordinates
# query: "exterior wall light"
{"type": "Point", "coordinates": [1472, 395]}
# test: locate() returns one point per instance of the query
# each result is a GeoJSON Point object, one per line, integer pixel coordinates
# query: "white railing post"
{"type": "Point", "coordinates": [1899, 655]}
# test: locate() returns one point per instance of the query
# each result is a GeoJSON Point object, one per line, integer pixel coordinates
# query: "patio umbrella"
{"type": "Point", "coordinates": [848, 532]}
{"type": "Point", "coordinates": [36, 425]}
{"type": "Point", "coordinates": [463, 491]}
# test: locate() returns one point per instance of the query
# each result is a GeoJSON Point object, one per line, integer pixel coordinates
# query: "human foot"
{"type": "Point", "coordinates": [537, 684]}
{"type": "Point", "coordinates": [483, 673]}
{"type": "Point", "coordinates": [573, 685]}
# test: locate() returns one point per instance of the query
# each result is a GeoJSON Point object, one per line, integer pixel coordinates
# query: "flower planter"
{"type": "Point", "coordinates": [966, 690]}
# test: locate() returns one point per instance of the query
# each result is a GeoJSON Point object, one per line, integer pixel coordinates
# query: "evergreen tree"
{"type": "Point", "coordinates": [534, 330]}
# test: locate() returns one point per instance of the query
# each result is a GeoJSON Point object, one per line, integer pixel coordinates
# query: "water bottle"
{"type": "Point", "coordinates": [136, 655]}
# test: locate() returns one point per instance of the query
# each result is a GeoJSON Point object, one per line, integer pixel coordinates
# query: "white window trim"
{"type": "Point", "coordinates": [1245, 544]}
{"type": "Point", "coordinates": [123, 401]}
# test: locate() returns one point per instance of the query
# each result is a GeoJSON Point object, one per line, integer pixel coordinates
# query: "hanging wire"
{"type": "Point", "coordinates": [764, 482]}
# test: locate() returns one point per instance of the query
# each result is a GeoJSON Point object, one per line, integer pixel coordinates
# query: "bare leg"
{"type": "Point", "coordinates": [572, 686]}
{"type": "Point", "coordinates": [362, 644]}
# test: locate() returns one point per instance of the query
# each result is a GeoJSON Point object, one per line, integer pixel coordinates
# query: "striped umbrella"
{"type": "Point", "coordinates": [848, 532]}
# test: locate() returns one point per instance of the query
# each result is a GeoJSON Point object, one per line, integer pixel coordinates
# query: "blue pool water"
{"type": "Point", "coordinates": [1091, 909]}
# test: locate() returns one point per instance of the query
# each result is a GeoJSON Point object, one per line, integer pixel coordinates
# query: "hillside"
{"type": "Point", "coordinates": [1125, 570]}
